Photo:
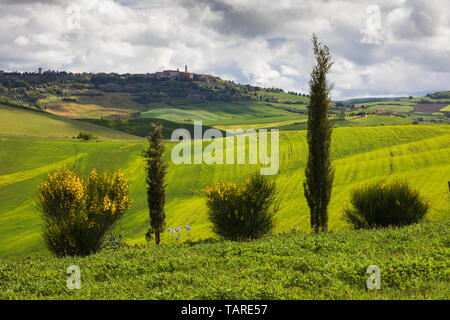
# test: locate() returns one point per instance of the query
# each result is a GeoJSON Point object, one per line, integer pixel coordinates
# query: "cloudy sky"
{"type": "Point", "coordinates": [380, 47]}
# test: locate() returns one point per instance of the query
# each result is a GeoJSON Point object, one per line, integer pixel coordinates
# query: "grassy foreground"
{"type": "Point", "coordinates": [414, 263]}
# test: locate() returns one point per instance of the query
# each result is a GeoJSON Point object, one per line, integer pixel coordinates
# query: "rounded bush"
{"type": "Point", "coordinates": [383, 205]}
{"type": "Point", "coordinates": [242, 211]}
{"type": "Point", "coordinates": [77, 213]}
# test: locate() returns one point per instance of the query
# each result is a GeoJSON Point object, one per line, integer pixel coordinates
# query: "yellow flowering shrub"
{"type": "Point", "coordinates": [77, 213]}
{"type": "Point", "coordinates": [242, 211]}
{"type": "Point", "coordinates": [382, 205]}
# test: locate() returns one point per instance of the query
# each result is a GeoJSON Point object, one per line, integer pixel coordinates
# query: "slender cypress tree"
{"type": "Point", "coordinates": [156, 171]}
{"type": "Point", "coordinates": [319, 172]}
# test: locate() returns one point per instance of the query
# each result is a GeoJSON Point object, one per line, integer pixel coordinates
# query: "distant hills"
{"type": "Point", "coordinates": [40, 90]}
{"type": "Point", "coordinates": [439, 95]}
{"type": "Point", "coordinates": [180, 97]}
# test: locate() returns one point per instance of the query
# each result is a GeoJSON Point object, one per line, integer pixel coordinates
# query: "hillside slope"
{"type": "Point", "coordinates": [20, 122]}
{"type": "Point", "coordinates": [417, 153]}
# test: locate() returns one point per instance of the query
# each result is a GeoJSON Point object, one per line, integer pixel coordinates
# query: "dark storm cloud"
{"type": "Point", "coordinates": [248, 21]}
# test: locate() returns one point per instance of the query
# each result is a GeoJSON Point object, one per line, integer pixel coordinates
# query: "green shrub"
{"type": "Point", "coordinates": [242, 211]}
{"type": "Point", "coordinates": [86, 136]}
{"type": "Point", "coordinates": [77, 213]}
{"type": "Point", "coordinates": [383, 205]}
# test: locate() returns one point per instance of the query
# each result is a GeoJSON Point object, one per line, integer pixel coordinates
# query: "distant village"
{"type": "Point", "coordinates": [162, 75]}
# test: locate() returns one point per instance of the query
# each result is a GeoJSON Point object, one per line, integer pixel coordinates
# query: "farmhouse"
{"type": "Point", "coordinates": [381, 112]}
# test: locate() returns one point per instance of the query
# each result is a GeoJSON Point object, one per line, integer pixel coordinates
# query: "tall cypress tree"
{"type": "Point", "coordinates": [156, 172]}
{"type": "Point", "coordinates": [319, 172]}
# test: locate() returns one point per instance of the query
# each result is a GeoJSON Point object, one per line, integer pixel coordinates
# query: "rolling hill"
{"type": "Point", "coordinates": [418, 153]}
{"type": "Point", "coordinates": [22, 122]}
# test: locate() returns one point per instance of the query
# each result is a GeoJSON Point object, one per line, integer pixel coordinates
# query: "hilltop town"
{"type": "Point", "coordinates": [159, 75]}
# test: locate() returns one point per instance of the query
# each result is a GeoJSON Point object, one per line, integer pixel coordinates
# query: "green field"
{"type": "Point", "coordinates": [222, 113]}
{"type": "Point", "coordinates": [19, 122]}
{"type": "Point", "coordinates": [142, 127]}
{"type": "Point", "coordinates": [363, 154]}
{"type": "Point", "coordinates": [405, 106]}
{"type": "Point", "coordinates": [284, 97]}
{"type": "Point", "coordinates": [356, 121]}
{"type": "Point", "coordinates": [413, 264]}
{"type": "Point", "coordinates": [392, 108]}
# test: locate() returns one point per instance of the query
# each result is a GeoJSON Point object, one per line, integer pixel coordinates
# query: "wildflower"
{"type": "Point", "coordinates": [188, 228]}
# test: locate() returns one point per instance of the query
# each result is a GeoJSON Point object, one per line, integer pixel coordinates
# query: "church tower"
{"type": "Point", "coordinates": [185, 68]}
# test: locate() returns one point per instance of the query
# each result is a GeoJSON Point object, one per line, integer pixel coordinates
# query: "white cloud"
{"type": "Point", "coordinates": [22, 41]}
{"type": "Point", "coordinates": [289, 71]}
{"type": "Point", "coordinates": [372, 30]}
{"type": "Point", "coordinates": [379, 46]}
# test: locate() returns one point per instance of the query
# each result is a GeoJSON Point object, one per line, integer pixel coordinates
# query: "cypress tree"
{"type": "Point", "coordinates": [156, 171]}
{"type": "Point", "coordinates": [319, 172]}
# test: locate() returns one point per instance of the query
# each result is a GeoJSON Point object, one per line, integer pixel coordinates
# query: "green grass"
{"type": "Point", "coordinates": [20, 122]}
{"type": "Point", "coordinates": [413, 264]}
{"type": "Point", "coordinates": [283, 97]}
{"type": "Point", "coordinates": [222, 113]}
{"type": "Point", "coordinates": [143, 126]}
{"type": "Point", "coordinates": [370, 120]}
{"type": "Point", "coordinates": [392, 108]}
{"type": "Point", "coordinates": [374, 120]}
{"type": "Point", "coordinates": [300, 107]}
{"type": "Point", "coordinates": [179, 115]}
{"type": "Point", "coordinates": [400, 105]}
{"type": "Point", "coordinates": [417, 153]}
{"type": "Point", "coordinates": [447, 108]}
